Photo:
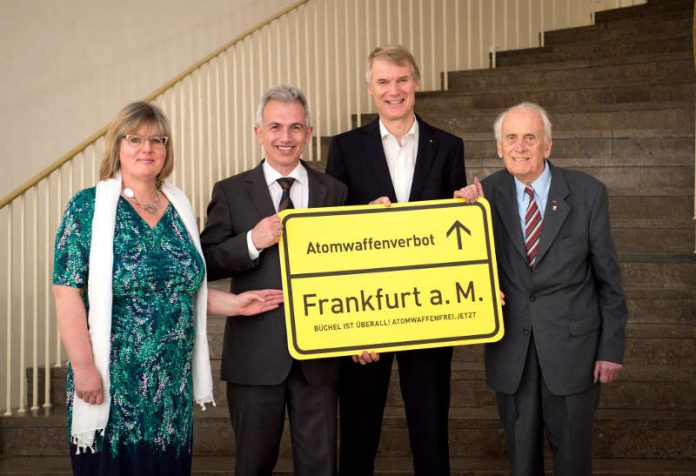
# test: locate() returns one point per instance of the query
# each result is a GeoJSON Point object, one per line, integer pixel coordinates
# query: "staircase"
{"type": "Point", "coordinates": [621, 97]}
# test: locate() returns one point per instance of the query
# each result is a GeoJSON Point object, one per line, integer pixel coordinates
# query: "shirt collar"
{"type": "Point", "coordinates": [541, 185]}
{"type": "Point", "coordinates": [299, 173]}
{"type": "Point", "coordinates": [413, 131]}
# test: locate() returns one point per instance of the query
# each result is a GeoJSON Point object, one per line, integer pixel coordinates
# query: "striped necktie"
{"type": "Point", "coordinates": [285, 202]}
{"type": "Point", "coordinates": [532, 227]}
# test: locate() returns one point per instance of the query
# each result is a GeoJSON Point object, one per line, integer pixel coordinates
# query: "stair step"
{"type": "Point", "coordinates": [596, 94]}
{"type": "Point", "coordinates": [561, 158]}
{"type": "Point", "coordinates": [659, 306]}
{"type": "Point", "coordinates": [658, 270]}
{"type": "Point", "coordinates": [670, 344]}
{"type": "Point", "coordinates": [668, 116]}
{"type": "Point", "coordinates": [612, 32]}
{"type": "Point", "coordinates": [671, 239]}
{"type": "Point", "coordinates": [640, 387]}
{"type": "Point", "coordinates": [667, 68]}
{"type": "Point", "coordinates": [636, 78]}
{"type": "Point", "coordinates": [474, 432]}
{"type": "Point", "coordinates": [662, 9]}
{"type": "Point", "coordinates": [384, 466]}
{"type": "Point", "coordinates": [578, 63]}
{"type": "Point", "coordinates": [614, 175]}
{"type": "Point", "coordinates": [619, 147]}
{"type": "Point", "coordinates": [588, 50]}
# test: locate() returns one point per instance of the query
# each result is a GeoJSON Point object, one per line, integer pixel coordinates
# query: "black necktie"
{"type": "Point", "coordinates": [285, 202]}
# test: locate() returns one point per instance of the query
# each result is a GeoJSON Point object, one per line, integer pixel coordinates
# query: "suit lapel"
{"type": "Point", "coordinates": [377, 161]}
{"type": "Point", "coordinates": [506, 203]}
{"type": "Point", "coordinates": [258, 191]}
{"type": "Point", "coordinates": [427, 146]}
{"type": "Point", "coordinates": [556, 212]}
{"type": "Point", "coordinates": [317, 190]}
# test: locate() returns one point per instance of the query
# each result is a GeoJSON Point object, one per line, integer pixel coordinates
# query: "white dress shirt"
{"type": "Point", "coordinates": [401, 159]}
{"type": "Point", "coordinates": [299, 194]}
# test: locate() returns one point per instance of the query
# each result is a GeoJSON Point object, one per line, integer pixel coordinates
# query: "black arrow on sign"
{"type": "Point", "coordinates": [457, 225]}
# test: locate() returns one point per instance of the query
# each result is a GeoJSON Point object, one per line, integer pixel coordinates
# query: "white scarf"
{"type": "Point", "coordinates": [86, 418]}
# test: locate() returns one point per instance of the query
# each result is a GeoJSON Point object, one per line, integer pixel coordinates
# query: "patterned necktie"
{"type": "Point", "coordinates": [285, 202]}
{"type": "Point", "coordinates": [532, 227]}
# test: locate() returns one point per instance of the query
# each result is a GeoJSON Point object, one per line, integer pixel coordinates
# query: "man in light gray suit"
{"type": "Point", "coordinates": [565, 308]}
{"type": "Point", "coordinates": [240, 240]}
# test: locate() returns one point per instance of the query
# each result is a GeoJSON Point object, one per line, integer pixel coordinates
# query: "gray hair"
{"type": "Point", "coordinates": [498, 124]}
{"type": "Point", "coordinates": [283, 93]}
{"type": "Point", "coordinates": [394, 54]}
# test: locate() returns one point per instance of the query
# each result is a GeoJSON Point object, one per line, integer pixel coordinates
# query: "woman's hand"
{"type": "Point", "coordinates": [88, 384]}
{"type": "Point", "coordinates": [72, 325]}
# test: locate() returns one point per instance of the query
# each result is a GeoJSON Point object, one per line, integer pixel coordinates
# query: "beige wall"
{"type": "Point", "coordinates": [69, 65]}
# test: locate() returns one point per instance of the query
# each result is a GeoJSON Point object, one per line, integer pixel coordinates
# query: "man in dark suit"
{"type": "Point", "coordinates": [565, 308]}
{"type": "Point", "coordinates": [397, 157]}
{"type": "Point", "coordinates": [240, 241]}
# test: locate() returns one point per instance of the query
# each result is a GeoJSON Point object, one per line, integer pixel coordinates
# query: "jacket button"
{"type": "Point", "coordinates": [532, 298]}
{"type": "Point", "coordinates": [525, 332]}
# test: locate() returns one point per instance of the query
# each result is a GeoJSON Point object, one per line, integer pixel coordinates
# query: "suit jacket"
{"type": "Point", "coordinates": [255, 349]}
{"type": "Point", "coordinates": [357, 159]}
{"type": "Point", "coordinates": [573, 301]}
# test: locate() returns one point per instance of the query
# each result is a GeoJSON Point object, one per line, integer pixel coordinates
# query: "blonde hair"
{"type": "Point", "coordinates": [394, 54]}
{"type": "Point", "coordinates": [127, 121]}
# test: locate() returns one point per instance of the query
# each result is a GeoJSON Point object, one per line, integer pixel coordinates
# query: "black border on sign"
{"type": "Point", "coordinates": [387, 345]}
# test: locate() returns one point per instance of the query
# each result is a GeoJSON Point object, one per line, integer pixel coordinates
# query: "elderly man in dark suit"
{"type": "Point", "coordinates": [240, 241]}
{"type": "Point", "coordinates": [396, 157]}
{"type": "Point", "coordinates": [566, 311]}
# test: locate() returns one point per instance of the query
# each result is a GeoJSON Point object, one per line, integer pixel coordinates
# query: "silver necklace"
{"type": "Point", "coordinates": [151, 208]}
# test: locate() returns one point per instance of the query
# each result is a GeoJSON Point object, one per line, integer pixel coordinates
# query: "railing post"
{"type": "Point", "coordinates": [8, 339]}
{"type": "Point", "coordinates": [35, 303]}
{"type": "Point", "coordinates": [47, 297]}
{"type": "Point", "coordinates": [22, 308]}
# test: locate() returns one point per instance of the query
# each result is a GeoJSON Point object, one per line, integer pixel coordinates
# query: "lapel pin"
{"type": "Point", "coordinates": [554, 205]}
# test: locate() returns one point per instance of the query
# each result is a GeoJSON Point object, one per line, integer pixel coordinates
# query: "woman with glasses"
{"type": "Point", "coordinates": [131, 298]}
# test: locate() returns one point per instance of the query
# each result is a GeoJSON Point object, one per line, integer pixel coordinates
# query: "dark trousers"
{"type": "Point", "coordinates": [258, 415]}
{"type": "Point", "coordinates": [425, 386]}
{"type": "Point", "coordinates": [566, 419]}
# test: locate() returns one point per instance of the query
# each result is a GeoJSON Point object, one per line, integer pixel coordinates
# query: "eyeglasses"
{"type": "Point", "coordinates": [156, 142]}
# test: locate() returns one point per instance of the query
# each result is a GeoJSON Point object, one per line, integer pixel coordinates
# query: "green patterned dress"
{"type": "Point", "coordinates": [156, 273]}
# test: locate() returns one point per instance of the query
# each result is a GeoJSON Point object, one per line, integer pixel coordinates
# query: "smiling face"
{"type": "Point", "coordinates": [523, 145]}
{"type": "Point", "coordinates": [283, 134]}
{"type": "Point", "coordinates": [142, 162]}
{"type": "Point", "coordinates": [393, 90]}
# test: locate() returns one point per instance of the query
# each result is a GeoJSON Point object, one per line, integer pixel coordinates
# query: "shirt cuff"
{"type": "Point", "coordinates": [253, 252]}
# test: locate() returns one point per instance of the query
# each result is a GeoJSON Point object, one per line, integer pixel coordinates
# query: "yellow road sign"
{"type": "Point", "coordinates": [409, 276]}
